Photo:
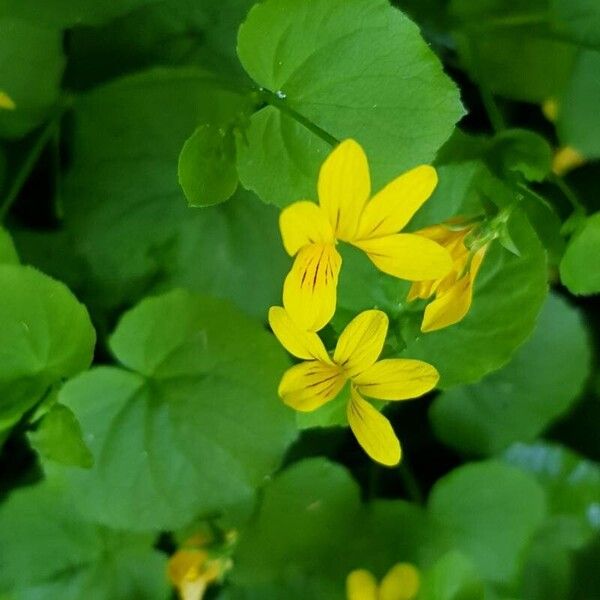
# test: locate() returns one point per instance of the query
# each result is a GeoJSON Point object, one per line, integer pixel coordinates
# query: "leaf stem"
{"type": "Point", "coordinates": [568, 193]}
{"type": "Point", "coordinates": [27, 166]}
{"type": "Point", "coordinates": [279, 102]}
{"type": "Point", "coordinates": [411, 485]}
{"type": "Point", "coordinates": [487, 97]}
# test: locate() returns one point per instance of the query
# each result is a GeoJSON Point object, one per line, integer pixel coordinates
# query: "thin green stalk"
{"type": "Point", "coordinates": [487, 97]}
{"type": "Point", "coordinates": [280, 103]}
{"type": "Point", "coordinates": [411, 485]}
{"type": "Point", "coordinates": [533, 194]}
{"type": "Point", "coordinates": [27, 166]}
{"type": "Point", "coordinates": [568, 193]}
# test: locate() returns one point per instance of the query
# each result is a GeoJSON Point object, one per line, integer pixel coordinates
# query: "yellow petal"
{"type": "Point", "coordinates": [309, 385]}
{"type": "Point", "coordinates": [394, 206]}
{"type": "Point", "coordinates": [361, 342]}
{"type": "Point", "coordinates": [185, 565]}
{"type": "Point", "coordinates": [6, 102]}
{"type": "Point", "coordinates": [452, 306]}
{"type": "Point", "coordinates": [344, 187]}
{"type": "Point", "coordinates": [299, 343]}
{"type": "Point", "coordinates": [304, 223]}
{"type": "Point", "coordinates": [309, 290]}
{"type": "Point", "coordinates": [373, 431]}
{"type": "Point", "coordinates": [566, 159]}
{"type": "Point", "coordinates": [361, 585]}
{"type": "Point", "coordinates": [407, 256]}
{"type": "Point", "coordinates": [550, 109]}
{"type": "Point", "coordinates": [397, 379]}
{"type": "Point", "coordinates": [422, 289]}
{"type": "Point", "coordinates": [401, 582]}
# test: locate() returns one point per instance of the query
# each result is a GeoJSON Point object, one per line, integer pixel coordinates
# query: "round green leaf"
{"type": "Point", "coordinates": [579, 266]}
{"type": "Point", "coordinates": [45, 336]}
{"type": "Point", "coordinates": [572, 483]}
{"type": "Point", "coordinates": [49, 551]}
{"type": "Point", "coordinates": [509, 292]}
{"type": "Point", "coordinates": [31, 63]}
{"type": "Point", "coordinates": [349, 68]}
{"type": "Point", "coordinates": [206, 168]}
{"type": "Point", "coordinates": [491, 511]}
{"type": "Point", "coordinates": [192, 428]}
{"type": "Point", "coordinates": [305, 514]}
{"type": "Point", "coordinates": [511, 47]}
{"type": "Point", "coordinates": [516, 403]}
{"type": "Point", "coordinates": [521, 151]}
{"type": "Point", "coordinates": [125, 217]}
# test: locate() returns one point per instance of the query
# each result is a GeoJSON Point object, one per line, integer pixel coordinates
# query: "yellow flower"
{"type": "Point", "coordinates": [6, 102]}
{"type": "Point", "coordinates": [401, 582]}
{"type": "Point", "coordinates": [319, 378]}
{"type": "Point", "coordinates": [567, 159]}
{"type": "Point", "coordinates": [311, 231]}
{"type": "Point", "coordinates": [454, 292]}
{"type": "Point", "coordinates": [550, 109]}
{"type": "Point", "coordinates": [191, 571]}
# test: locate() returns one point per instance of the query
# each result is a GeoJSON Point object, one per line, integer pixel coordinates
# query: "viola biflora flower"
{"type": "Point", "coordinates": [454, 292]}
{"type": "Point", "coordinates": [193, 568]}
{"type": "Point", "coordinates": [311, 231]}
{"type": "Point", "coordinates": [191, 571]}
{"type": "Point", "coordinates": [6, 102]}
{"type": "Point", "coordinates": [402, 582]}
{"type": "Point", "coordinates": [320, 378]}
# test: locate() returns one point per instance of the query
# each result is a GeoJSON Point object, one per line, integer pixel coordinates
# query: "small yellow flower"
{"type": "Point", "coordinates": [6, 102]}
{"type": "Point", "coordinates": [311, 231]}
{"type": "Point", "coordinates": [191, 571]}
{"type": "Point", "coordinates": [402, 582]}
{"type": "Point", "coordinates": [550, 109]}
{"type": "Point", "coordinates": [319, 378]}
{"type": "Point", "coordinates": [454, 292]}
{"type": "Point", "coordinates": [567, 159]}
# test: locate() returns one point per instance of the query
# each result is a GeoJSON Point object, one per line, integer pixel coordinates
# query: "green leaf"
{"type": "Point", "coordinates": [64, 13]}
{"type": "Point", "coordinates": [491, 511]}
{"type": "Point", "coordinates": [161, 32]}
{"type": "Point", "coordinates": [31, 63]}
{"type": "Point", "coordinates": [206, 168]}
{"type": "Point", "coordinates": [125, 218]}
{"type": "Point", "coordinates": [8, 253]}
{"type": "Point", "coordinates": [49, 551]}
{"type": "Point", "coordinates": [58, 437]}
{"type": "Point", "coordinates": [453, 577]}
{"type": "Point", "coordinates": [521, 151]}
{"type": "Point", "coordinates": [193, 426]}
{"type": "Point", "coordinates": [580, 19]}
{"type": "Point", "coordinates": [311, 529]}
{"type": "Point", "coordinates": [512, 47]}
{"type": "Point", "coordinates": [509, 292]}
{"type": "Point", "coordinates": [341, 68]}
{"type": "Point", "coordinates": [304, 519]}
{"type": "Point", "coordinates": [578, 119]}
{"type": "Point", "coordinates": [274, 138]}
{"type": "Point", "coordinates": [578, 268]}
{"type": "Point", "coordinates": [516, 403]}
{"type": "Point", "coordinates": [45, 334]}
{"type": "Point", "coordinates": [572, 483]}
